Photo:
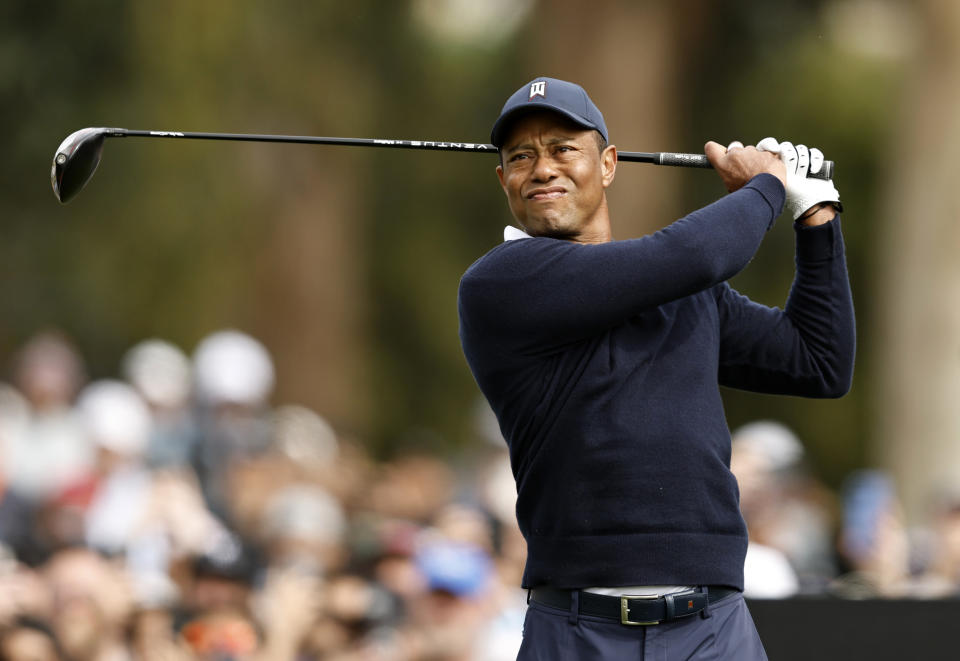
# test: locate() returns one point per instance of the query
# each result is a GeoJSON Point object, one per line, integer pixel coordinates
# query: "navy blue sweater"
{"type": "Point", "coordinates": [602, 364]}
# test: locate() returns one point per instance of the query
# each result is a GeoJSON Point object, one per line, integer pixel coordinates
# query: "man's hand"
{"type": "Point", "coordinates": [806, 197]}
{"type": "Point", "coordinates": [737, 164]}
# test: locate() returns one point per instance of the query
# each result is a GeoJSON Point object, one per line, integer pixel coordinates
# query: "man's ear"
{"type": "Point", "coordinates": [500, 174]}
{"type": "Point", "coordinates": [608, 165]}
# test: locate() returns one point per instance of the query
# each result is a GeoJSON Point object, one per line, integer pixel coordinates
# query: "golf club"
{"type": "Point", "coordinates": [78, 156]}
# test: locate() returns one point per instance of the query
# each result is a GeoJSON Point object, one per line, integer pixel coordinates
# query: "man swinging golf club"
{"type": "Point", "coordinates": [602, 360]}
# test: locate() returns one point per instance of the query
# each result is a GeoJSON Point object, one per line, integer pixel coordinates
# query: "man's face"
{"type": "Point", "coordinates": [555, 177]}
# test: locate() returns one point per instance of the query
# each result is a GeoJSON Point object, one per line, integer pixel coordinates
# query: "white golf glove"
{"type": "Point", "coordinates": [802, 192]}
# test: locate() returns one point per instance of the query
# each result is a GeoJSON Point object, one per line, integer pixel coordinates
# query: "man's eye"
{"type": "Point", "coordinates": [564, 148]}
{"type": "Point", "coordinates": [517, 157]}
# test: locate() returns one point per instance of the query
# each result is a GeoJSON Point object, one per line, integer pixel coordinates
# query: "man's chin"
{"type": "Point", "coordinates": [551, 230]}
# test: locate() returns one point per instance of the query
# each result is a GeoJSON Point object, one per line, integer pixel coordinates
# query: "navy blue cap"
{"type": "Point", "coordinates": [568, 99]}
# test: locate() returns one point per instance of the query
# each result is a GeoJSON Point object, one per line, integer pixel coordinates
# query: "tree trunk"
{"type": "Point", "coordinates": [917, 411]}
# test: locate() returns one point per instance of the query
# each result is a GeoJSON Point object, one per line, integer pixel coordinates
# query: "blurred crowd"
{"type": "Point", "coordinates": [174, 513]}
{"type": "Point", "coordinates": [856, 543]}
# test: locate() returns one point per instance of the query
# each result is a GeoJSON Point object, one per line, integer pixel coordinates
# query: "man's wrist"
{"type": "Point", "coordinates": [818, 214]}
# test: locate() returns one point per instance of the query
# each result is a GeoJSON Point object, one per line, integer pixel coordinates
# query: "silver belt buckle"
{"type": "Point", "coordinates": [625, 609]}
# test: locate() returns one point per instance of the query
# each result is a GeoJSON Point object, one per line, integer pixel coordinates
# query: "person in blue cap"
{"type": "Point", "coordinates": [602, 359]}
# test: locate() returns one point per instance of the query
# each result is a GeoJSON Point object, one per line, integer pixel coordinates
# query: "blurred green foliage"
{"type": "Point", "coordinates": [168, 239]}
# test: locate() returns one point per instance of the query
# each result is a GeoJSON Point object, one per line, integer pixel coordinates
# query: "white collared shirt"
{"type": "Point", "coordinates": [511, 233]}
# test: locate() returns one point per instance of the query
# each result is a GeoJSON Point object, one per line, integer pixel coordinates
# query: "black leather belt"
{"type": "Point", "coordinates": [635, 609]}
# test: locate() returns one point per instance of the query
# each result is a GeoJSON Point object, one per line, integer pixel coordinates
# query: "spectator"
{"type": "Point", "coordinates": [160, 372]}
{"type": "Point", "coordinates": [221, 634]}
{"type": "Point", "coordinates": [447, 620]}
{"type": "Point", "coordinates": [941, 575]}
{"type": "Point", "coordinates": [29, 639]}
{"type": "Point", "coordinates": [788, 513]}
{"type": "Point", "coordinates": [233, 377]}
{"type": "Point", "coordinates": [873, 540]}
{"type": "Point", "coordinates": [413, 487]}
{"type": "Point", "coordinates": [123, 498]}
{"type": "Point", "coordinates": [305, 451]}
{"type": "Point", "coordinates": [23, 591]}
{"type": "Point", "coordinates": [179, 529]}
{"type": "Point", "coordinates": [116, 420]}
{"type": "Point", "coordinates": [92, 605]}
{"type": "Point", "coordinates": [17, 514]}
{"type": "Point", "coordinates": [304, 528]}
{"type": "Point", "coordinates": [44, 450]}
{"type": "Point", "coordinates": [153, 638]}
{"type": "Point", "coordinates": [305, 438]}
{"type": "Point", "coordinates": [222, 578]}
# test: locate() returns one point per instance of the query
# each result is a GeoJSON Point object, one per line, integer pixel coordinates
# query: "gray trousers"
{"type": "Point", "coordinates": [724, 631]}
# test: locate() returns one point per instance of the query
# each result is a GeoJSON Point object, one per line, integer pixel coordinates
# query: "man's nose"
{"type": "Point", "coordinates": [544, 169]}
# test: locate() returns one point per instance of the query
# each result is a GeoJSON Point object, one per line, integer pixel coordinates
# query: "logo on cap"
{"type": "Point", "coordinates": [538, 88]}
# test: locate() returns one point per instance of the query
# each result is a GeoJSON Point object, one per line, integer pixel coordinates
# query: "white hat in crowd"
{"type": "Point", "coordinates": [773, 441]}
{"type": "Point", "coordinates": [160, 371]}
{"type": "Point", "coordinates": [115, 416]}
{"type": "Point", "coordinates": [305, 512]}
{"type": "Point", "coordinates": [305, 436]}
{"type": "Point", "coordinates": [231, 367]}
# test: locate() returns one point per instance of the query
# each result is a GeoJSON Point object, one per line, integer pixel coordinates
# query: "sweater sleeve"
{"type": "Point", "coordinates": [806, 349]}
{"type": "Point", "coordinates": [539, 293]}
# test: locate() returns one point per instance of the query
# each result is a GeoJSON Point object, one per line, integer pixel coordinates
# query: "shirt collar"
{"type": "Point", "coordinates": [511, 233]}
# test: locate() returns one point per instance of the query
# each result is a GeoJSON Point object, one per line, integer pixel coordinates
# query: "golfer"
{"type": "Point", "coordinates": [602, 359]}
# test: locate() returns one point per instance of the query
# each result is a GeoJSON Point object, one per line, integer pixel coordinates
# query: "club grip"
{"type": "Point", "coordinates": [683, 160]}
{"type": "Point", "coordinates": [700, 161]}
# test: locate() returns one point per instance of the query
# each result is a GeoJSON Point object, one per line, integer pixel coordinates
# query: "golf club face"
{"type": "Point", "coordinates": [75, 161]}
